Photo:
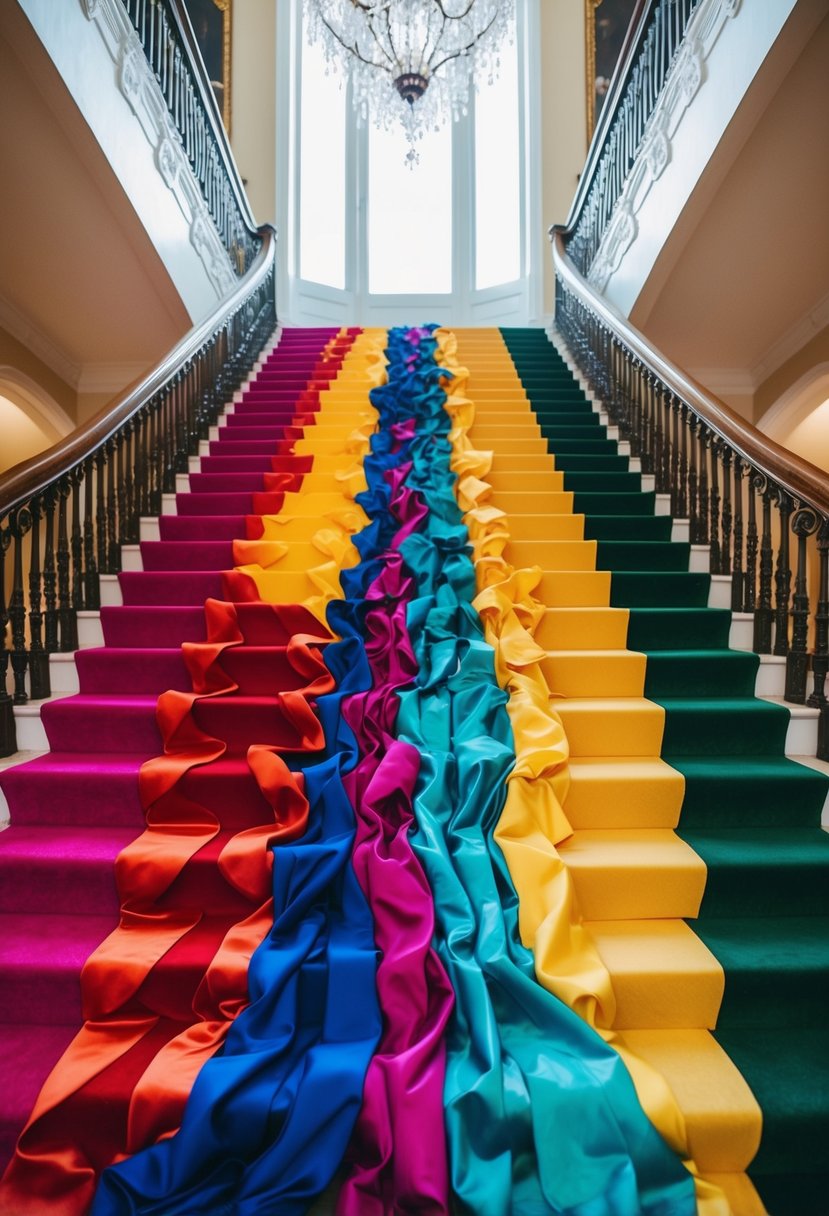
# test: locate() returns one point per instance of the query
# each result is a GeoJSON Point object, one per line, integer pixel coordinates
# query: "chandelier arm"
{"type": "Point", "coordinates": [462, 50]}
{"type": "Point", "coordinates": [352, 50]}
{"type": "Point", "coordinates": [458, 16]}
{"type": "Point", "coordinates": [394, 50]}
{"type": "Point", "coordinates": [370, 24]}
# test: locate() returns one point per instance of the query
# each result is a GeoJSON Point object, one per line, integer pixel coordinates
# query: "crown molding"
{"type": "Point", "coordinates": [38, 343]}
{"type": "Point", "coordinates": [108, 377]}
{"type": "Point", "coordinates": [803, 330]}
{"type": "Point", "coordinates": [725, 380]}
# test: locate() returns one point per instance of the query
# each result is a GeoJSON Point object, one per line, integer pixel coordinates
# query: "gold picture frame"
{"type": "Point", "coordinates": [590, 7]}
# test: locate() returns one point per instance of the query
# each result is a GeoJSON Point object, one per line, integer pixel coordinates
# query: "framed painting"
{"type": "Point", "coordinates": [212, 22]}
{"type": "Point", "coordinates": [606, 23]}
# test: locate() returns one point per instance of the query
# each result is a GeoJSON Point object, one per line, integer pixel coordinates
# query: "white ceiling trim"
{"type": "Point", "coordinates": [37, 342]}
{"type": "Point", "coordinates": [793, 340]}
{"type": "Point", "coordinates": [108, 377]}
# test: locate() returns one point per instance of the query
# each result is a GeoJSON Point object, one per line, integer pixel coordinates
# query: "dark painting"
{"type": "Point", "coordinates": [612, 18]}
{"type": "Point", "coordinates": [211, 25]}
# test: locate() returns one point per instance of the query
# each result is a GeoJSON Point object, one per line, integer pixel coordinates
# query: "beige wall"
{"type": "Point", "coordinates": [253, 102]}
{"type": "Point", "coordinates": [16, 355]}
{"type": "Point", "coordinates": [780, 381]}
{"type": "Point", "coordinates": [563, 117]}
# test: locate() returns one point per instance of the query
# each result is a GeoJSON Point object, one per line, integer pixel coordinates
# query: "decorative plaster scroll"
{"type": "Point", "coordinates": [686, 78]}
{"type": "Point", "coordinates": [140, 88]}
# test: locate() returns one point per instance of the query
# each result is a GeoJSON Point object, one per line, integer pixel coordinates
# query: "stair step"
{"type": "Point", "coordinates": [633, 874]}
{"type": "Point", "coordinates": [583, 629]}
{"type": "Point", "coordinates": [594, 673]}
{"type": "Point", "coordinates": [763, 872]}
{"type": "Point", "coordinates": [628, 528]}
{"type": "Point", "coordinates": [30, 790]}
{"type": "Point", "coordinates": [148, 671]}
{"type": "Point", "coordinates": [148, 625]}
{"type": "Point", "coordinates": [701, 673]}
{"type": "Point", "coordinates": [664, 976]}
{"type": "Point", "coordinates": [67, 869]}
{"type": "Point", "coordinates": [623, 792]}
{"type": "Point", "coordinates": [621, 726]}
{"type": "Point", "coordinates": [653, 629]}
{"type": "Point", "coordinates": [750, 792]}
{"type": "Point", "coordinates": [663, 588]}
{"type": "Point", "coordinates": [621, 556]}
{"type": "Point", "coordinates": [41, 956]}
{"type": "Point", "coordinates": [723, 1121]}
{"type": "Point", "coordinates": [728, 726]}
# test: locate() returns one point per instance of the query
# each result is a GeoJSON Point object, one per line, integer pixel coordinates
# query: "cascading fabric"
{"type": "Point", "coordinates": [392, 1032]}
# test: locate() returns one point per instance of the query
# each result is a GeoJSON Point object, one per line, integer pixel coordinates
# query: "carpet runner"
{"type": "Point", "coordinates": [409, 915]}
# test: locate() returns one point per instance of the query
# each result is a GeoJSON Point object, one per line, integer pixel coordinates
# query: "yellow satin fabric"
{"type": "Point", "coordinates": [533, 821]}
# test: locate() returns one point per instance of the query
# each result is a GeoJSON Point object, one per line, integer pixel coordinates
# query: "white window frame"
{"type": "Point", "coordinates": [301, 302]}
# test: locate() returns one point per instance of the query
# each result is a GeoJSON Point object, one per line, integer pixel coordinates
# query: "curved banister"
{"type": "Point", "coordinates": [797, 476]}
{"type": "Point", "coordinates": [23, 481]}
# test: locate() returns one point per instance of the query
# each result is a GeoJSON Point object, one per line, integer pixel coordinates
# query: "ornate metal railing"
{"type": "Point", "coordinates": [166, 35]}
{"type": "Point", "coordinates": [65, 514]}
{"type": "Point", "coordinates": [648, 54]}
{"type": "Point", "coordinates": [759, 507]}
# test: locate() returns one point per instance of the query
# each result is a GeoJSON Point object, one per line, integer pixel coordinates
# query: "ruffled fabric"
{"type": "Point", "coordinates": [541, 1114]}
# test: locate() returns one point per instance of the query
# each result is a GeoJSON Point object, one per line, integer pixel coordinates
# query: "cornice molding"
{"type": "Point", "coordinates": [141, 90]}
{"type": "Point", "coordinates": [803, 330]}
{"type": "Point", "coordinates": [682, 85]}
{"type": "Point", "coordinates": [108, 377]}
{"type": "Point", "coordinates": [38, 343]}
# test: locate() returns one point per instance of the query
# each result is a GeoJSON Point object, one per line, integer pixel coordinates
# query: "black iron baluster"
{"type": "Point", "coordinates": [20, 521]}
{"type": "Point", "coordinates": [763, 614]}
{"type": "Point", "coordinates": [50, 573]}
{"type": "Point", "coordinates": [8, 733]}
{"type": "Point", "coordinates": [750, 597]}
{"type": "Point", "coordinates": [738, 577]}
{"type": "Point", "coordinates": [92, 596]}
{"type": "Point", "coordinates": [693, 488]}
{"type": "Point", "coordinates": [804, 524]}
{"type": "Point", "coordinates": [682, 416]}
{"type": "Point", "coordinates": [820, 658]}
{"type": "Point", "coordinates": [782, 577]}
{"type": "Point", "coordinates": [714, 506]}
{"type": "Point", "coordinates": [725, 514]}
{"type": "Point", "coordinates": [39, 683]}
{"type": "Point", "coordinates": [113, 558]}
{"type": "Point", "coordinates": [702, 448]}
{"type": "Point", "coordinates": [66, 614]}
{"type": "Point", "coordinates": [76, 542]}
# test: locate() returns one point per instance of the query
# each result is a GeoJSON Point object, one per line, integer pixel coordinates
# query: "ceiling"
{"type": "Point", "coordinates": [78, 274]}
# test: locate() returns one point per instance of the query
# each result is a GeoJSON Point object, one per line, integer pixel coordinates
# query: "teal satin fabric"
{"type": "Point", "coordinates": [541, 1114]}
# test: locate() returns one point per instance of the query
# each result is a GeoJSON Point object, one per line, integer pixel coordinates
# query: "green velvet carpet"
{"type": "Point", "coordinates": [750, 813]}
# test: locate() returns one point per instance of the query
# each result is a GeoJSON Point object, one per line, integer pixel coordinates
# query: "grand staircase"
{"type": "Point", "coordinates": [697, 854]}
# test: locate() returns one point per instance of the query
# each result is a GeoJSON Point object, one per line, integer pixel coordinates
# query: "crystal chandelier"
{"type": "Point", "coordinates": [411, 61]}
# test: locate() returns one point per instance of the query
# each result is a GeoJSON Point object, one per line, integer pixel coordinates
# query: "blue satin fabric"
{"type": "Point", "coordinates": [541, 1114]}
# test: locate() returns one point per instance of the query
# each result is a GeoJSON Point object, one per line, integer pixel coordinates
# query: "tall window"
{"type": "Point", "coordinates": [372, 240]}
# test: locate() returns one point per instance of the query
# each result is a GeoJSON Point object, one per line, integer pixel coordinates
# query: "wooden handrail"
{"type": "Point", "coordinates": [797, 476]}
{"type": "Point", "coordinates": [30, 477]}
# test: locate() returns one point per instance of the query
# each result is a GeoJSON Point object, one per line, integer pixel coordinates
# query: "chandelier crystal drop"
{"type": "Point", "coordinates": [411, 61]}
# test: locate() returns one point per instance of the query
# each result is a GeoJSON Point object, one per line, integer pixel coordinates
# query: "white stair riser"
{"type": "Point", "coordinates": [741, 634]}
{"type": "Point", "coordinates": [63, 674]}
{"type": "Point", "coordinates": [90, 630]}
{"type": "Point", "coordinates": [719, 595]}
{"type": "Point", "coordinates": [31, 735]}
{"type": "Point", "coordinates": [699, 561]}
{"type": "Point", "coordinates": [663, 504]}
{"type": "Point", "coordinates": [149, 529]}
{"type": "Point", "coordinates": [131, 558]}
{"type": "Point", "coordinates": [111, 591]}
{"type": "Point", "coordinates": [681, 531]}
{"type": "Point", "coordinates": [182, 483]}
{"type": "Point", "coordinates": [168, 504]}
{"type": "Point", "coordinates": [771, 677]}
